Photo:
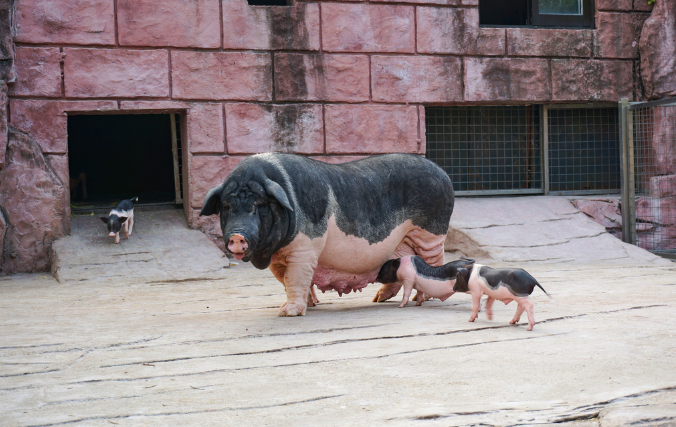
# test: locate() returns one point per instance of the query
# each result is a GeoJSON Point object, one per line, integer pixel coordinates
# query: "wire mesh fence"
{"type": "Point", "coordinates": [653, 193]}
{"type": "Point", "coordinates": [584, 149]}
{"type": "Point", "coordinates": [493, 149]}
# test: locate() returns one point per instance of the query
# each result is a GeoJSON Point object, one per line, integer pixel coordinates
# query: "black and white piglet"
{"type": "Point", "coordinates": [504, 284]}
{"type": "Point", "coordinates": [121, 216]}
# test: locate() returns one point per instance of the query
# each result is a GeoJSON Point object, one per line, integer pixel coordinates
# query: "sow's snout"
{"type": "Point", "coordinates": [238, 245]}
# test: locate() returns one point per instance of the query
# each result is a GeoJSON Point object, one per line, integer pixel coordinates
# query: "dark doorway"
{"type": "Point", "coordinates": [122, 156]}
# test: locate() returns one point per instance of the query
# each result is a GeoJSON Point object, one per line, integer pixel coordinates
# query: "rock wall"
{"type": "Point", "coordinates": [33, 202]}
{"type": "Point", "coordinates": [333, 80]}
{"type": "Point", "coordinates": [657, 47]}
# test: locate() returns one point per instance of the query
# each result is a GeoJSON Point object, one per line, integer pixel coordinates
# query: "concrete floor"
{"type": "Point", "coordinates": [209, 349]}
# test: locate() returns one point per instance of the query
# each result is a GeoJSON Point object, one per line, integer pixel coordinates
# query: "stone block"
{"type": "Point", "coordinates": [270, 27]}
{"type": "Point", "coordinates": [661, 149]}
{"type": "Point", "coordinates": [618, 5]}
{"type": "Point", "coordinates": [36, 215]}
{"type": "Point", "coordinates": [546, 42]}
{"type": "Point", "coordinates": [83, 22]}
{"type": "Point", "coordinates": [205, 128]}
{"type": "Point", "coordinates": [338, 159]}
{"type": "Point", "coordinates": [657, 47]}
{"type": "Point", "coordinates": [605, 212]}
{"type": "Point", "coordinates": [663, 186]}
{"type": "Point", "coordinates": [371, 129]}
{"type": "Point", "coordinates": [456, 31]}
{"type": "Point", "coordinates": [324, 77]}
{"type": "Point", "coordinates": [3, 124]}
{"type": "Point", "coordinates": [38, 72]}
{"type": "Point", "coordinates": [506, 79]}
{"type": "Point", "coordinates": [175, 23]}
{"type": "Point", "coordinates": [367, 28]}
{"type": "Point", "coordinates": [591, 80]}
{"type": "Point", "coordinates": [642, 6]}
{"type": "Point", "coordinates": [422, 130]}
{"type": "Point", "coordinates": [260, 128]}
{"type": "Point", "coordinates": [241, 76]}
{"type": "Point", "coordinates": [116, 73]}
{"type": "Point", "coordinates": [155, 106]}
{"type": "Point", "coordinates": [47, 121]}
{"type": "Point", "coordinates": [618, 34]}
{"type": "Point", "coordinates": [416, 79]}
{"type": "Point", "coordinates": [437, 2]}
{"type": "Point", "coordinates": [208, 172]}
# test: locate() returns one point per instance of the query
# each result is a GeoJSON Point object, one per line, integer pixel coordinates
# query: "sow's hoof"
{"type": "Point", "coordinates": [386, 292]}
{"type": "Point", "coordinates": [290, 309]}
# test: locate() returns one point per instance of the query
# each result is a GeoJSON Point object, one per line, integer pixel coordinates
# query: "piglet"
{"type": "Point", "coordinates": [122, 215]}
{"type": "Point", "coordinates": [414, 273]}
{"type": "Point", "coordinates": [505, 284]}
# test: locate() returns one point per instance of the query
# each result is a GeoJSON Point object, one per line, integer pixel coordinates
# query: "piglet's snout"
{"type": "Point", "coordinates": [237, 245]}
{"type": "Point", "coordinates": [111, 234]}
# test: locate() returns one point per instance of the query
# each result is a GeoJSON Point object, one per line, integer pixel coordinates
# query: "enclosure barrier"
{"type": "Point", "coordinates": [648, 140]}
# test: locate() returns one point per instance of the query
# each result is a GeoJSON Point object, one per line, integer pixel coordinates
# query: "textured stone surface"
{"type": "Point", "coordinates": [661, 150]}
{"type": "Point", "coordinates": [617, 34]}
{"type": "Point", "coordinates": [3, 122]}
{"type": "Point", "coordinates": [663, 186]}
{"type": "Point", "coordinates": [371, 129]}
{"type": "Point", "coordinates": [416, 79]}
{"type": "Point", "coordinates": [155, 106]}
{"type": "Point", "coordinates": [259, 128]}
{"type": "Point", "coordinates": [6, 39]}
{"type": "Point", "coordinates": [657, 47]}
{"type": "Point", "coordinates": [493, 79]}
{"type": "Point", "coordinates": [660, 214]}
{"type": "Point", "coordinates": [545, 42]}
{"type": "Point", "coordinates": [84, 22]}
{"type": "Point", "coordinates": [38, 72]}
{"type": "Point", "coordinates": [603, 211]}
{"type": "Point", "coordinates": [270, 27]}
{"type": "Point", "coordinates": [208, 172]}
{"type": "Point", "coordinates": [621, 5]}
{"type": "Point", "coordinates": [36, 214]}
{"type": "Point", "coordinates": [205, 128]}
{"type": "Point", "coordinates": [367, 28]}
{"type": "Point", "coordinates": [46, 121]}
{"type": "Point", "coordinates": [456, 31]}
{"type": "Point", "coordinates": [169, 23]}
{"type": "Point", "coordinates": [300, 77]}
{"type": "Point", "coordinates": [581, 80]}
{"type": "Point", "coordinates": [116, 73]}
{"type": "Point", "coordinates": [437, 2]}
{"type": "Point", "coordinates": [643, 6]}
{"type": "Point", "coordinates": [222, 76]}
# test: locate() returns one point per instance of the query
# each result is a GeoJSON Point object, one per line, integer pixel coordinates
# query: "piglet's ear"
{"type": "Point", "coordinates": [104, 219]}
{"type": "Point", "coordinates": [123, 219]}
{"type": "Point", "coordinates": [212, 201]}
{"type": "Point", "coordinates": [275, 190]}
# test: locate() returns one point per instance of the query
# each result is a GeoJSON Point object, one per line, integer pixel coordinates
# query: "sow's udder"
{"type": "Point", "coordinates": [326, 279]}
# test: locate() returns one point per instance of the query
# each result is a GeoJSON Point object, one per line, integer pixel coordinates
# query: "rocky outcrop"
{"type": "Point", "coordinates": [605, 211]}
{"type": "Point", "coordinates": [33, 201]}
{"type": "Point", "coordinates": [657, 47]}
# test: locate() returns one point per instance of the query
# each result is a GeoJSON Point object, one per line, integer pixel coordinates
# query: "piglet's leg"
{"type": "Point", "coordinates": [117, 237]}
{"type": "Point", "coordinates": [489, 308]}
{"type": "Point", "coordinates": [517, 315]}
{"type": "Point", "coordinates": [126, 229]}
{"type": "Point", "coordinates": [131, 223]}
{"type": "Point", "coordinates": [408, 288]}
{"type": "Point", "coordinates": [476, 303]}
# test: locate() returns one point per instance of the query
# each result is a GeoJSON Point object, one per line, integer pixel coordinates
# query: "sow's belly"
{"type": "Point", "coordinates": [348, 263]}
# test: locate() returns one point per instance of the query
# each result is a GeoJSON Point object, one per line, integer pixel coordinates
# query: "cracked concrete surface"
{"type": "Point", "coordinates": [210, 350]}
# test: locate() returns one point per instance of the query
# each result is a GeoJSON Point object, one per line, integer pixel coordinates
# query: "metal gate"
{"type": "Point", "coordinates": [648, 135]}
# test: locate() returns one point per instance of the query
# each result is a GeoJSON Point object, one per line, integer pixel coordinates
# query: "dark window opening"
{"type": "Point", "coordinates": [537, 13]}
{"type": "Point", "coordinates": [122, 156]}
{"type": "Point", "coordinates": [269, 2]}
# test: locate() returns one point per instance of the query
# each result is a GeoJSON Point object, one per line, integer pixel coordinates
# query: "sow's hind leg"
{"type": "Point", "coordinates": [428, 246]}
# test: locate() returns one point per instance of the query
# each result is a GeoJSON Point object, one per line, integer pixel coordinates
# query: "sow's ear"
{"type": "Point", "coordinates": [275, 190]}
{"type": "Point", "coordinates": [212, 201]}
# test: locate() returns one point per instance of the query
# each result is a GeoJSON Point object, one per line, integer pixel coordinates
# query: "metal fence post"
{"type": "Point", "coordinates": [627, 170]}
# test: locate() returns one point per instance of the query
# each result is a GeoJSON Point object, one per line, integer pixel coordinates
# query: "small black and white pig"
{"type": "Point", "coordinates": [414, 273]}
{"type": "Point", "coordinates": [504, 284]}
{"type": "Point", "coordinates": [122, 215]}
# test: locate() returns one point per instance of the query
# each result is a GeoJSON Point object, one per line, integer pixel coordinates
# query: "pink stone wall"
{"type": "Point", "coordinates": [328, 79]}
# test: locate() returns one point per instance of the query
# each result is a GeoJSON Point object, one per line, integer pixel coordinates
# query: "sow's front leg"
{"type": "Point", "coordinates": [298, 283]}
